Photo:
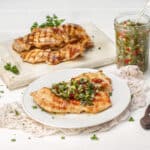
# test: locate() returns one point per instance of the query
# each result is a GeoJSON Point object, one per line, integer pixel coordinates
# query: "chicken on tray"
{"type": "Point", "coordinates": [88, 92]}
{"type": "Point", "coordinates": [53, 45]}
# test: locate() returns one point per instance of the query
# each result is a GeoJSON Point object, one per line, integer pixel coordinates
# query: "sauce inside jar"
{"type": "Point", "coordinates": [132, 42]}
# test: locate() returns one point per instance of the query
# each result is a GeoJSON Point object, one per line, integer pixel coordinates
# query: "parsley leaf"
{"type": "Point", "coordinates": [110, 94]}
{"type": "Point", "coordinates": [132, 96]}
{"type": "Point", "coordinates": [34, 107]}
{"type": "Point", "coordinates": [13, 140]}
{"type": "Point", "coordinates": [62, 137]}
{"type": "Point", "coordinates": [35, 25]}
{"type": "Point", "coordinates": [11, 68]}
{"type": "Point", "coordinates": [94, 137]}
{"type": "Point", "coordinates": [131, 119]}
{"type": "Point", "coordinates": [17, 113]}
{"type": "Point", "coordinates": [53, 21]}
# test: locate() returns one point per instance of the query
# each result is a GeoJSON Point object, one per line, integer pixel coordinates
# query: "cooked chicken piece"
{"type": "Point", "coordinates": [52, 38]}
{"type": "Point", "coordinates": [68, 52]}
{"type": "Point", "coordinates": [52, 103]}
{"type": "Point", "coordinates": [35, 56]}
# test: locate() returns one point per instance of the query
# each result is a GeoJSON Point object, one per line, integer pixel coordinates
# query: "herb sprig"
{"type": "Point", "coordinates": [51, 21]}
{"type": "Point", "coordinates": [11, 68]}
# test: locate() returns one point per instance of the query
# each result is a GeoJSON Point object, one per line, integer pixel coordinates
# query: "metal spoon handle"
{"type": "Point", "coordinates": [141, 13]}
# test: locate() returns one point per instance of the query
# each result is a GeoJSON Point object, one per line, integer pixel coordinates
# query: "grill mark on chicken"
{"type": "Point", "coordinates": [53, 45]}
{"type": "Point", "coordinates": [52, 37]}
{"type": "Point", "coordinates": [69, 52]}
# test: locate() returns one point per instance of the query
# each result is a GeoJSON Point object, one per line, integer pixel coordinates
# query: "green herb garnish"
{"type": "Point", "coordinates": [34, 107]}
{"type": "Point", "coordinates": [13, 140]}
{"type": "Point", "coordinates": [43, 109]}
{"type": "Point", "coordinates": [132, 96]}
{"type": "Point", "coordinates": [35, 25]}
{"type": "Point", "coordinates": [82, 90]}
{"type": "Point", "coordinates": [131, 119]}
{"type": "Point", "coordinates": [53, 21]}
{"type": "Point", "coordinates": [1, 91]}
{"type": "Point", "coordinates": [110, 94]}
{"type": "Point", "coordinates": [62, 137]}
{"type": "Point", "coordinates": [94, 137]}
{"type": "Point", "coordinates": [17, 113]}
{"type": "Point", "coordinates": [11, 68]}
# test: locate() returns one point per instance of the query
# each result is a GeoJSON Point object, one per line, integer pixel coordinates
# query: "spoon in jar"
{"type": "Point", "coordinates": [141, 13]}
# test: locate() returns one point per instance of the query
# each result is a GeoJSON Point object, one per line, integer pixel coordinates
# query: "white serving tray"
{"type": "Point", "coordinates": [92, 58]}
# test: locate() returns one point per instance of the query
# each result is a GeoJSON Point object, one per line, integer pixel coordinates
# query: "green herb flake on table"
{"type": "Point", "coordinates": [34, 107]}
{"type": "Point", "coordinates": [11, 68]}
{"type": "Point", "coordinates": [13, 140]}
{"type": "Point", "coordinates": [17, 113]}
{"type": "Point", "coordinates": [94, 137]}
{"type": "Point", "coordinates": [62, 137]}
{"type": "Point", "coordinates": [1, 91]}
{"type": "Point", "coordinates": [131, 119]}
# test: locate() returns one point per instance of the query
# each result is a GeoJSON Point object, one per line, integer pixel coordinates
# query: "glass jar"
{"type": "Point", "coordinates": [132, 40]}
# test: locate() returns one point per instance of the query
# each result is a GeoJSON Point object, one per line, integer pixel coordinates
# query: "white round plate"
{"type": "Point", "coordinates": [120, 99]}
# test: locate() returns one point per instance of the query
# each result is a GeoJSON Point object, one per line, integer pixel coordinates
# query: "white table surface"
{"type": "Point", "coordinates": [16, 17]}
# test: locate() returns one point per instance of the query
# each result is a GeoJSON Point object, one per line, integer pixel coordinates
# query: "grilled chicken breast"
{"type": "Point", "coordinates": [52, 38]}
{"type": "Point", "coordinates": [53, 103]}
{"type": "Point", "coordinates": [69, 52]}
{"type": "Point", "coordinates": [53, 45]}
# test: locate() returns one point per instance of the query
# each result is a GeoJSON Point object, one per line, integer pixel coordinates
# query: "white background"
{"type": "Point", "coordinates": [16, 16]}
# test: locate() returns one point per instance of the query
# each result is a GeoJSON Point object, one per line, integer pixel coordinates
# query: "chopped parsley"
{"type": "Point", "coordinates": [132, 96]}
{"type": "Point", "coordinates": [34, 107]}
{"type": "Point", "coordinates": [11, 68]}
{"type": "Point", "coordinates": [13, 140]}
{"type": "Point", "coordinates": [82, 90]}
{"type": "Point", "coordinates": [17, 113]}
{"type": "Point", "coordinates": [131, 119]}
{"type": "Point", "coordinates": [1, 91]}
{"type": "Point", "coordinates": [42, 109]}
{"type": "Point", "coordinates": [62, 137]}
{"type": "Point", "coordinates": [99, 48]}
{"type": "Point", "coordinates": [34, 25]}
{"type": "Point", "coordinates": [94, 137]}
{"type": "Point", "coordinates": [110, 94]}
{"type": "Point", "coordinates": [51, 21]}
